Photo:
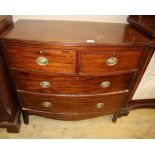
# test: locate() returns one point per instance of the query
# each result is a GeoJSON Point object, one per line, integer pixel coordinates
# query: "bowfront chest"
{"type": "Point", "coordinates": [75, 70]}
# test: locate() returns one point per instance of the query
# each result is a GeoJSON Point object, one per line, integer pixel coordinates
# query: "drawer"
{"type": "Point", "coordinates": [108, 61]}
{"type": "Point", "coordinates": [58, 104]}
{"type": "Point", "coordinates": [41, 59]}
{"type": "Point", "coordinates": [43, 83]}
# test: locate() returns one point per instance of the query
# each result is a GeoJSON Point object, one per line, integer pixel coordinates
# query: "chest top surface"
{"type": "Point", "coordinates": [75, 32]}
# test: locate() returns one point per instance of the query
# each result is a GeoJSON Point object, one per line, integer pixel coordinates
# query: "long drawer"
{"type": "Point", "coordinates": [43, 83]}
{"type": "Point", "coordinates": [41, 59]}
{"type": "Point", "coordinates": [84, 104]}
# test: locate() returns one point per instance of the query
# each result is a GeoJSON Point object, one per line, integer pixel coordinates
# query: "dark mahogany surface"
{"type": "Point", "coordinates": [66, 105]}
{"type": "Point", "coordinates": [127, 59]}
{"type": "Point", "coordinates": [77, 54]}
{"type": "Point", "coordinates": [146, 23]}
{"type": "Point", "coordinates": [3, 114]}
{"type": "Point", "coordinates": [71, 84]}
{"type": "Point", "coordinates": [5, 22]}
{"type": "Point", "coordinates": [9, 107]}
{"type": "Point", "coordinates": [25, 58]}
{"type": "Point", "coordinates": [75, 32]}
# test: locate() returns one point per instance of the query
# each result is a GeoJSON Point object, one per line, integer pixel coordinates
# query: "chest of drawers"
{"type": "Point", "coordinates": [75, 70]}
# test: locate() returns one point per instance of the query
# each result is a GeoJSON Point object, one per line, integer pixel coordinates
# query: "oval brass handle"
{"type": "Point", "coordinates": [45, 84]}
{"type": "Point", "coordinates": [46, 104]}
{"type": "Point", "coordinates": [42, 61]}
{"type": "Point", "coordinates": [111, 61]}
{"type": "Point", "coordinates": [105, 84]}
{"type": "Point", "coordinates": [99, 105]}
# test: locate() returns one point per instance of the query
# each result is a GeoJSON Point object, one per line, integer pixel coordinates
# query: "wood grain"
{"type": "Point", "coordinates": [71, 104]}
{"type": "Point", "coordinates": [23, 57]}
{"type": "Point", "coordinates": [76, 67]}
{"type": "Point", "coordinates": [95, 61]}
{"type": "Point", "coordinates": [75, 32]}
{"type": "Point", "coordinates": [70, 84]}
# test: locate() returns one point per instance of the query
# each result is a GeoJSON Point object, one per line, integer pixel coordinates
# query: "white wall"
{"type": "Point", "coordinates": [98, 18]}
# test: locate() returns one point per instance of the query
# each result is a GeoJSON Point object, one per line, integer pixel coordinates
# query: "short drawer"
{"type": "Point", "coordinates": [108, 61]}
{"type": "Point", "coordinates": [43, 83]}
{"type": "Point", "coordinates": [59, 104]}
{"type": "Point", "coordinates": [41, 59]}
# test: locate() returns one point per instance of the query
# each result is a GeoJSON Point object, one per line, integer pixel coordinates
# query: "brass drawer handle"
{"type": "Point", "coordinates": [42, 61]}
{"type": "Point", "coordinates": [99, 105]}
{"type": "Point", "coordinates": [46, 104]}
{"type": "Point", "coordinates": [45, 84]}
{"type": "Point", "coordinates": [111, 61]}
{"type": "Point", "coordinates": [105, 84]}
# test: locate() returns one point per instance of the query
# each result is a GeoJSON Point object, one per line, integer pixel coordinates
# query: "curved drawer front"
{"type": "Point", "coordinates": [58, 104]}
{"type": "Point", "coordinates": [41, 59]}
{"type": "Point", "coordinates": [43, 83]}
{"type": "Point", "coordinates": [110, 61]}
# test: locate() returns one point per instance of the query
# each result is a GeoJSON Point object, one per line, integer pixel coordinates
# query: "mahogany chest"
{"type": "Point", "coordinates": [75, 70]}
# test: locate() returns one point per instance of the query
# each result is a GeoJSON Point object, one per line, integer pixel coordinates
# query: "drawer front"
{"type": "Point", "coordinates": [43, 83]}
{"type": "Point", "coordinates": [41, 59]}
{"type": "Point", "coordinates": [110, 61]}
{"type": "Point", "coordinates": [57, 104]}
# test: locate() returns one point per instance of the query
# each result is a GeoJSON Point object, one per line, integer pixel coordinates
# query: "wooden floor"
{"type": "Point", "coordinates": [139, 124]}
